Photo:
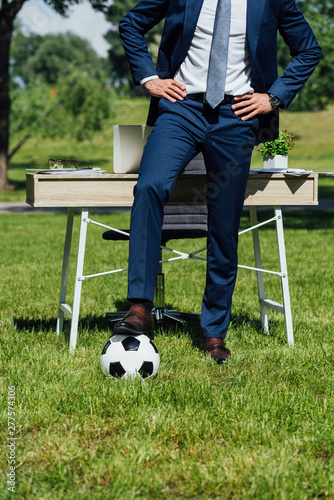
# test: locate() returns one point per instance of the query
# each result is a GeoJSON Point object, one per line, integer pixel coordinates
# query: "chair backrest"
{"type": "Point", "coordinates": [184, 221]}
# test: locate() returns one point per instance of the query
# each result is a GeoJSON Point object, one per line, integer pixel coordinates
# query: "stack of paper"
{"type": "Point", "coordinates": [286, 171]}
{"type": "Point", "coordinates": [62, 171]}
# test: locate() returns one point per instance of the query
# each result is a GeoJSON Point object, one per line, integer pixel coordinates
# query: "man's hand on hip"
{"type": "Point", "coordinates": [249, 105]}
{"type": "Point", "coordinates": [169, 88]}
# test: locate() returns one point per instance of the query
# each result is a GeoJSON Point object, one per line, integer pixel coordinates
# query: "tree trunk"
{"type": "Point", "coordinates": [18, 146]}
{"type": "Point", "coordinates": [8, 13]}
{"type": "Point", "coordinates": [6, 29]}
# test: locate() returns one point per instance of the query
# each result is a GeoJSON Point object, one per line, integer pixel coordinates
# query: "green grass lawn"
{"type": "Point", "coordinates": [259, 427]}
{"type": "Point", "coordinates": [314, 148]}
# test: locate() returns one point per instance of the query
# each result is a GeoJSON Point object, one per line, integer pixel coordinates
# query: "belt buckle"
{"type": "Point", "coordinates": [204, 98]}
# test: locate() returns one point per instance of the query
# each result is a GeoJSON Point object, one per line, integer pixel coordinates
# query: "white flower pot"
{"type": "Point", "coordinates": [278, 161]}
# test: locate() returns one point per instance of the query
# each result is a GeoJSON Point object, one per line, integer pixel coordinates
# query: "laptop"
{"type": "Point", "coordinates": [129, 142]}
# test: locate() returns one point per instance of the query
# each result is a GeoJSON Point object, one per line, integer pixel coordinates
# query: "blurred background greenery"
{"type": "Point", "coordinates": [58, 97]}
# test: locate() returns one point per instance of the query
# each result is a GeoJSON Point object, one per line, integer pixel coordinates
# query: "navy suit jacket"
{"type": "Point", "coordinates": [264, 19]}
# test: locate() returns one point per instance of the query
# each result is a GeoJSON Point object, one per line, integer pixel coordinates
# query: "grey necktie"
{"type": "Point", "coordinates": [219, 52]}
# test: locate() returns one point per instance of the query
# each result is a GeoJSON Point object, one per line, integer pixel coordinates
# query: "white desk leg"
{"type": "Point", "coordinates": [284, 278]}
{"type": "Point", "coordinates": [64, 274]}
{"type": "Point", "coordinates": [78, 281]}
{"type": "Point", "coordinates": [258, 264]}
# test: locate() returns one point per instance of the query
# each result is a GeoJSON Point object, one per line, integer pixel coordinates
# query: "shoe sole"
{"type": "Point", "coordinates": [123, 330]}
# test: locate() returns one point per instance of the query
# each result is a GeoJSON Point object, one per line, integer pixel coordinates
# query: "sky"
{"type": "Point", "coordinates": [82, 20]}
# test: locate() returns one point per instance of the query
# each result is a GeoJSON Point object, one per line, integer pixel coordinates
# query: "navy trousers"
{"type": "Point", "coordinates": [182, 130]}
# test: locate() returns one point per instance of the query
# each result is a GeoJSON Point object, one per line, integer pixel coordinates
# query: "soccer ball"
{"type": "Point", "coordinates": [128, 356]}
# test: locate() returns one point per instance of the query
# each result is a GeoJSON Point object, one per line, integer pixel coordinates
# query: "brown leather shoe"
{"type": "Point", "coordinates": [216, 348]}
{"type": "Point", "coordinates": [136, 322]}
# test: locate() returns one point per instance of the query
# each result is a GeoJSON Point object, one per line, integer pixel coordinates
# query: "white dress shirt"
{"type": "Point", "coordinates": [194, 69]}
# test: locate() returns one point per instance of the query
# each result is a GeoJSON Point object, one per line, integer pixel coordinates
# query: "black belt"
{"type": "Point", "coordinates": [201, 97]}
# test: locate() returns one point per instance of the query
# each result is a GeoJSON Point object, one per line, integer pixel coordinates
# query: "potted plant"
{"type": "Point", "coordinates": [275, 153]}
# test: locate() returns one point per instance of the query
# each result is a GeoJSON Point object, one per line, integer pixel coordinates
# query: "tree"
{"type": "Point", "coordinates": [8, 12]}
{"type": "Point", "coordinates": [119, 67]}
{"type": "Point", "coordinates": [47, 57]}
{"type": "Point", "coordinates": [77, 106]}
{"type": "Point", "coordinates": [319, 91]}
{"type": "Point", "coordinates": [59, 88]}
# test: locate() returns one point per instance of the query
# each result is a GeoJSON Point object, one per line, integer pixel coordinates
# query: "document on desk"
{"type": "Point", "coordinates": [288, 171]}
{"type": "Point", "coordinates": [285, 171]}
{"type": "Point", "coordinates": [68, 171]}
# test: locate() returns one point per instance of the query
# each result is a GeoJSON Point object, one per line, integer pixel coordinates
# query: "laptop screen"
{"type": "Point", "coordinates": [129, 142]}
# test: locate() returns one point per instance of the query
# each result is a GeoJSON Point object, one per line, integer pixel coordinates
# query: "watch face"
{"type": "Point", "coordinates": [274, 101]}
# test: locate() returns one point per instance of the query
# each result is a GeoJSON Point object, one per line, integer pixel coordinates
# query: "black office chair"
{"type": "Point", "coordinates": [180, 222]}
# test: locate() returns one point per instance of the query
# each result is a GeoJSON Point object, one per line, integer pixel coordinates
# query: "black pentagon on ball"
{"type": "Point", "coordinates": [131, 344]}
{"type": "Point", "coordinates": [116, 369]}
{"type": "Point", "coordinates": [146, 369]}
{"type": "Point", "coordinates": [106, 347]}
{"type": "Point", "coordinates": [154, 346]}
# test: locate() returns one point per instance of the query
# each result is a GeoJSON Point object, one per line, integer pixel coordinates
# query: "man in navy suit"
{"type": "Point", "coordinates": [187, 121]}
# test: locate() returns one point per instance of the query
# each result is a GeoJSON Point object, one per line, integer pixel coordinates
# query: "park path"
{"type": "Point", "coordinates": [21, 207]}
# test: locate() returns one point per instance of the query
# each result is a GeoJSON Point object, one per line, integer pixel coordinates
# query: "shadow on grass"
{"type": "Point", "coordinates": [18, 185]}
{"type": "Point", "coordinates": [46, 325]}
{"type": "Point", "coordinates": [326, 191]}
{"type": "Point", "coordinates": [191, 327]}
{"type": "Point", "coordinates": [296, 219]}
{"type": "Point", "coordinates": [38, 324]}
{"type": "Point", "coordinates": [169, 327]}
{"type": "Point", "coordinates": [241, 320]}
{"type": "Point", "coordinates": [16, 164]}
{"type": "Point", "coordinates": [242, 325]}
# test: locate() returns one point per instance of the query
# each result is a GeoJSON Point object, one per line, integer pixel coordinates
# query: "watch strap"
{"type": "Point", "coordinates": [275, 101]}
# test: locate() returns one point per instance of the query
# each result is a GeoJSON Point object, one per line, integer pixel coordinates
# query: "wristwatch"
{"type": "Point", "coordinates": [275, 101]}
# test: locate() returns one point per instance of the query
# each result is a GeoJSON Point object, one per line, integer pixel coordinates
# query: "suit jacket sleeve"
{"type": "Point", "coordinates": [132, 29]}
{"type": "Point", "coordinates": [304, 49]}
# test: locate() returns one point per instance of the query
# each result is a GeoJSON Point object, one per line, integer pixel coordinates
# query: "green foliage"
{"type": "Point", "coordinates": [318, 93]}
{"type": "Point", "coordinates": [260, 427]}
{"type": "Point", "coordinates": [77, 106]}
{"type": "Point", "coordinates": [8, 13]}
{"type": "Point", "coordinates": [312, 134]}
{"type": "Point", "coordinates": [118, 64]}
{"type": "Point", "coordinates": [47, 57]}
{"type": "Point", "coordinates": [280, 146]}
{"type": "Point", "coordinates": [63, 6]}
